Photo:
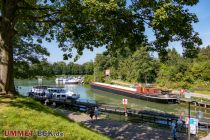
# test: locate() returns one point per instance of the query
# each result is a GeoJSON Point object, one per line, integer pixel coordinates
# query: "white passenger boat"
{"type": "Point", "coordinates": [53, 93]}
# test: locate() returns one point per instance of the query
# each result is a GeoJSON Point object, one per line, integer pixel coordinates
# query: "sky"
{"type": "Point", "coordinates": [202, 10]}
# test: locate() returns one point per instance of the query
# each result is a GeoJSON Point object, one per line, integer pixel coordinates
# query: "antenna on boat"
{"type": "Point", "coordinates": [94, 74]}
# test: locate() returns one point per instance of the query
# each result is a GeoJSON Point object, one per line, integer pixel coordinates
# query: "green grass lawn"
{"type": "Point", "coordinates": [205, 92]}
{"type": "Point", "coordinates": [199, 99]}
{"type": "Point", "coordinates": [27, 114]}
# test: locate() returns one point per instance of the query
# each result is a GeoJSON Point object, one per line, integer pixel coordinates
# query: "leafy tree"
{"type": "Point", "coordinates": [170, 22]}
{"type": "Point", "coordinates": [201, 66]}
{"type": "Point", "coordinates": [22, 70]}
{"type": "Point", "coordinates": [145, 66]}
{"type": "Point", "coordinates": [204, 54]}
{"type": "Point", "coordinates": [59, 68]}
{"type": "Point", "coordinates": [100, 65]}
{"type": "Point", "coordinates": [172, 57]}
{"type": "Point", "coordinates": [140, 67]}
{"type": "Point", "coordinates": [88, 24]}
{"type": "Point", "coordinates": [88, 67]}
{"type": "Point", "coordinates": [124, 70]}
{"type": "Point", "coordinates": [69, 68]}
{"type": "Point", "coordinates": [175, 72]}
{"type": "Point", "coordinates": [178, 71]}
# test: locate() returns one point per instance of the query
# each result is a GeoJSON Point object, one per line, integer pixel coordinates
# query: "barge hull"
{"type": "Point", "coordinates": [133, 94]}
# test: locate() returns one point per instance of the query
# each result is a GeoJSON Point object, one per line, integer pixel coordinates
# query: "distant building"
{"type": "Point", "coordinates": [107, 72]}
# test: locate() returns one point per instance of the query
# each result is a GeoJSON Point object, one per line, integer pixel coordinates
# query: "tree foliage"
{"type": "Point", "coordinates": [177, 72]}
{"type": "Point", "coordinates": [139, 67]}
{"type": "Point", "coordinates": [95, 23]}
{"type": "Point", "coordinates": [87, 24]}
{"type": "Point", "coordinates": [187, 73]}
{"type": "Point", "coordinates": [24, 70]}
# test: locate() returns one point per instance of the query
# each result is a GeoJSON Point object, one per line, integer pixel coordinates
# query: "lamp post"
{"type": "Point", "coordinates": [188, 96]}
{"type": "Point", "coordinates": [40, 80]}
{"type": "Point", "coordinates": [94, 74]}
{"type": "Point", "coordinates": [189, 121]}
{"type": "Point", "coordinates": [189, 116]}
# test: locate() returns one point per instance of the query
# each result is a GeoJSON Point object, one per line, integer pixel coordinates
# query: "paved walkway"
{"type": "Point", "coordinates": [122, 130]}
{"type": "Point", "coordinates": [200, 95]}
{"type": "Point", "coordinates": [206, 138]}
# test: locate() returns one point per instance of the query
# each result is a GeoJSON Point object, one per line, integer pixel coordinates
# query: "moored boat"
{"type": "Point", "coordinates": [58, 94]}
{"type": "Point", "coordinates": [69, 80]}
{"type": "Point", "coordinates": [72, 81]}
{"type": "Point", "coordinates": [140, 92]}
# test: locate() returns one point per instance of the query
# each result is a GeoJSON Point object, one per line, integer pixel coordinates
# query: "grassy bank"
{"type": "Point", "coordinates": [205, 92]}
{"type": "Point", "coordinates": [27, 114]}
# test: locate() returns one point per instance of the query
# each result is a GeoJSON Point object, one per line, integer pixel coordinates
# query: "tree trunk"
{"type": "Point", "coordinates": [7, 34]}
{"type": "Point", "coordinates": [6, 68]}
{"type": "Point", "coordinates": [145, 79]}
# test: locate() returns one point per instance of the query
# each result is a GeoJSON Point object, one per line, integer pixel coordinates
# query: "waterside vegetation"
{"type": "Point", "coordinates": [176, 72]}
{"type": "Point", "coordinates": [26, 70]}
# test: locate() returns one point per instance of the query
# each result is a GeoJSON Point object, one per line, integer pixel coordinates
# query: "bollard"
{"type": "Point", "coordinates": [126, 114]}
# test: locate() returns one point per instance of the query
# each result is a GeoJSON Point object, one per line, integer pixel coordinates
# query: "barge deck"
{"type": "Point", "coordinates": [134, 93]}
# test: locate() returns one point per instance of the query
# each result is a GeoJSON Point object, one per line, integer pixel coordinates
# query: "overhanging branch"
{"type": "Point", "coordinates": [39, 8]}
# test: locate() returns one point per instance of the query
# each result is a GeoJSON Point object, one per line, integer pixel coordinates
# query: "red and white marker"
{"type": "Point", "coordinates": [182, 91]}
{"type": "Point", "coordinates": [125, 102]}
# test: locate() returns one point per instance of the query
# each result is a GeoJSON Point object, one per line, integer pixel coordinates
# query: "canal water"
{"type": "Point", "coordinates": [90, 95]}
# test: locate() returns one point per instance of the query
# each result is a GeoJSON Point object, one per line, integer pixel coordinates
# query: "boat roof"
{"type": "Point", "coordinates": [47, 87]}
{"type": "Point", "coordinates": [116, 86]}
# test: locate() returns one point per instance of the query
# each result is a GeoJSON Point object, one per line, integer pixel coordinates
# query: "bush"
{"type": "Point", "coordinates": [88, 79]}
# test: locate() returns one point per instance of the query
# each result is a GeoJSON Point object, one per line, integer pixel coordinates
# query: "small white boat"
{"type": "Point", "coordinates": [60, 80]}
{"type": "Point", "coordinates": [70, 80]}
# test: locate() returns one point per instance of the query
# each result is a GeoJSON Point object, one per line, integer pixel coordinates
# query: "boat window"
{"type": "Point", "coordinates": [63, 90]}
{"type": "Point", "coordinates": [58, 96]}
{"type": "Point", "coordinates": [63, 96]}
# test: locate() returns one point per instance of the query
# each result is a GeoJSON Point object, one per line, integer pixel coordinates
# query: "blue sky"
{"type": "Point", "coordinates": [202, 10]}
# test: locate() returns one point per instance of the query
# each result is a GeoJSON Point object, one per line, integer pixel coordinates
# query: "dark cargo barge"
{"type": "Point", "coordinates": [148, 94]}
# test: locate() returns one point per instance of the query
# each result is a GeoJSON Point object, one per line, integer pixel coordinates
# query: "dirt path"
{"type": "Point", "coordinates": [122, 130]}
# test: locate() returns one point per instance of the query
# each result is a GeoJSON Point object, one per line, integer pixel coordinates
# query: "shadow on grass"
{"type": "Point", "coordinates": [29, 103]}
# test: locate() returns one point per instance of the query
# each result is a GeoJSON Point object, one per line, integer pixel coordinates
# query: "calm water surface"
{"type": "Point", "coordinates": [88, 94]}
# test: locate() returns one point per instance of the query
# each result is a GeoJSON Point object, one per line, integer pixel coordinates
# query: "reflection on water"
{"type": "Point", "coordinates": [90, 95]}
